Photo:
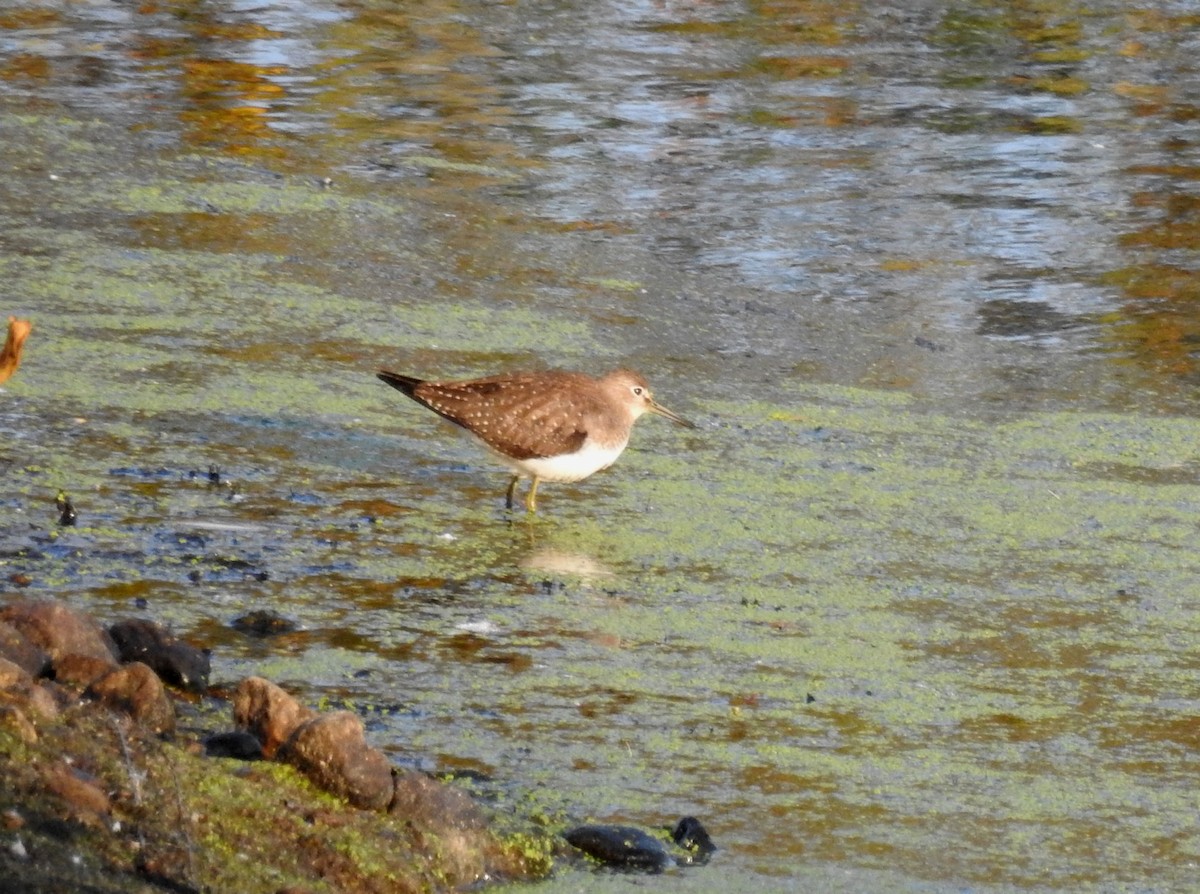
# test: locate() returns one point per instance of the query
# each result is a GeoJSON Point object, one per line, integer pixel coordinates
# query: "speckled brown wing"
{"type": "Point", "coordinates": [525, 416]}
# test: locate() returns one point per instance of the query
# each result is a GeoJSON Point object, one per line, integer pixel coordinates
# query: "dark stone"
{"type": "Point", "coordinates": [67, 516]}
{"type": "Point", "coordinates": [622, 847]}
{"type": "Point", "coordinates": [690, 834]}
{"type": "Point", "coordinates": [17, 648]}
{"type": "Point", "coordinates": [179, 664]}
{"type": "Point", "coordinates": [137, 691]}
{"type": "Point", "coordinates": [332, 752]}
{"type": "Point", "coordinates": [263, 623]}
{"type": "Point", "coordinates": [237, 744]}
{"type": "Point", "coordinates": [267, 713]}
{"type": "Point", "coordinates": [60, 630]}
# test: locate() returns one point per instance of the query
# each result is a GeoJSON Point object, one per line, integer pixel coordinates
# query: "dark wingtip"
{"type": "Point", "coordinates": [407, 384]}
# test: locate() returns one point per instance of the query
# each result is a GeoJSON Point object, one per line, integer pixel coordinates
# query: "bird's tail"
{"type": "Point", "coordinates": [407, 384]}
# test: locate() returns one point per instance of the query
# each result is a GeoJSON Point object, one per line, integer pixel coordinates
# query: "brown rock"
{"type": "Point", "coordinates": [13, 676]}
{"type": "Point", "coordinates": [332, 752]}
{"type": "Point", "coordinates": [78, 671]}
{"type": "Point", "coordinates": [17, 648]}
{"type": "Point", "coordinates": [16, 720]}
{"type": "Point", "coordinates": [267, 712]}
{"type": "Point", "coordinates": [41, 702]}
{"type": "Point", "coordinates": [20, 690]}
{"type": "Point", "coordinates": [84, 798]}
{"type": "Point", "coordinates": [447, 813]}
{"type": "Point", "coordinates": [60, 630]}
{"type": "Point", "coordinates": [136, 690]}
{"type": "Point", "coordinates": [57, 695]}
{"type": "Point", "coordinates": [428, 801]}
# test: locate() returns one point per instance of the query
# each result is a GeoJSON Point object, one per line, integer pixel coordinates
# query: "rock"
{"type": "Point", "coordinates": [332, 752]}
{"type": "Point", "coordinates": [446, 812]}
{"type": "Point", "coordinates": [60, 630]}
{"type": "Point", "coordinates": [84, 799]}
{"type": "Point", "coordinates": [16, 647]}
{"type": "Point", "coordinates": [18, 721]}
{"type": "Point", "coordinates": [13, 676]}
{"type": "Point", "coordinates": [689, 833]}
{"type": "Point", "coordinates": [262, 623]}
{"type": "Point", "coordinates": [237, 744]}
{"type": "Point", "coordinates": [42, 702]}
{"type": "Point", "coordinates": [267, 712]}
{"type": "Point", "coordinates": [418, 797]}
{"type": "Point", "coordinates": [58, 695]}
{"type": "Point", "coordinates": [622, 847]}
{"type": "Point", "coordinates": [629, 848]}
{"type": "Point", "coordinates": [177, 663]}
{"type": "Point", "coordinates": [136, 690]}
{"type": "Point", "coordinates": [78, 671]}
{"type": "Point", "coordinates": [21, 691]}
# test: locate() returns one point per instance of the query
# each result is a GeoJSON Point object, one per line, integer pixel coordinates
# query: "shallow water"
{"type": "Point", "coordinates": [912, 610]}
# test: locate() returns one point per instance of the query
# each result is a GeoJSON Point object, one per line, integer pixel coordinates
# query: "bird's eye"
{"type": "Point", "coordinates": [638, 389]}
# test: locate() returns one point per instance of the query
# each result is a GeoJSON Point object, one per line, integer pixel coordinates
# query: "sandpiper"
{"type": "Point", "coordinates": [547, 426]}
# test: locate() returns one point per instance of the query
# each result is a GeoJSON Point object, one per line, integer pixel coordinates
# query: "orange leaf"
{"type": "Point", "coordinates": [10, 357]}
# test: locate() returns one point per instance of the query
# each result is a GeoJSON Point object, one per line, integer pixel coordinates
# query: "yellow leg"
{"type": "Point", "coordinates": [531, 499]}
{"type": "Point", "coordinates": [512, 491]}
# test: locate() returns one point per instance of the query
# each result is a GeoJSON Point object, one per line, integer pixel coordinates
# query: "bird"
{"type": "Point", "coordinates": [552, 425]}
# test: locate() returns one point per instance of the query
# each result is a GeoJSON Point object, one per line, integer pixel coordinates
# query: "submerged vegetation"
{"type": "Point", "coordinates": [912, 610]}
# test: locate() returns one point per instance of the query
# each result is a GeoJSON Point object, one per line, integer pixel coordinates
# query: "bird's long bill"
{"type": "Point", "coordinates": [656, 407]}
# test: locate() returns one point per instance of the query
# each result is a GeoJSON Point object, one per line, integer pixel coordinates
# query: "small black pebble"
{"type": "Point", "coordinates": [691, 835]}
{"type": "Point", "coordinates": [66, 510]}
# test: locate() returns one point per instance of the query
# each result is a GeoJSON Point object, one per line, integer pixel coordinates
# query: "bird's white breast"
{"type": "Point", "coordinates": [569, 466]}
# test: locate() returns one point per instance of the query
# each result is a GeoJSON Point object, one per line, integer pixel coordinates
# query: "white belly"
{"type": "Point", "coordinates": [569, 467]}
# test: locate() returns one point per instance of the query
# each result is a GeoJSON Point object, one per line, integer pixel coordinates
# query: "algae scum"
{"type": "Point", "coordinates": [870, 644]}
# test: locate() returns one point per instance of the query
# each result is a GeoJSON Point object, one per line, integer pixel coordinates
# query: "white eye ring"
{"type": "Point", "coordinates": [637, 389]}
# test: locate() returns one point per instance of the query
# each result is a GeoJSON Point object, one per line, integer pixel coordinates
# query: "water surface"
{"type": "Point", "coordinates": [912, 610]}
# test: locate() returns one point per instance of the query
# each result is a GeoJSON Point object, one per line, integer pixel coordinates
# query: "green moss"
{"type": "Point", "coordinates": [225, 826]}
